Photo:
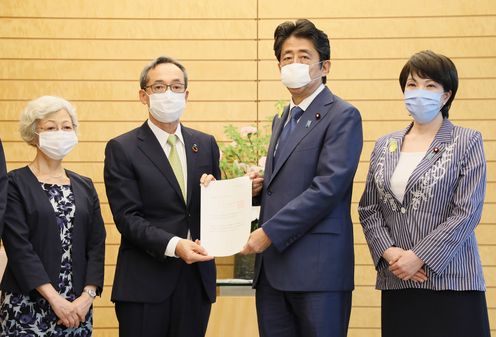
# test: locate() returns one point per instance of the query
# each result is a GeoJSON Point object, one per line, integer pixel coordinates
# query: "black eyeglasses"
{"type": "Point", "coordinates": [159, 88]}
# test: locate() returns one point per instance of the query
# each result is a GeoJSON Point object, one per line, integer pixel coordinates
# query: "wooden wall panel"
{"type": "Point", "coordinates": [367, 10]}
{"type": "Point", "coordinates": [92, 53]}
{"type": "Point", "coordinates": [129, 71]}
{"type": "Point", "coordinates": [125, 49]}
{"type": "Point", "coordinates": [72, 28]}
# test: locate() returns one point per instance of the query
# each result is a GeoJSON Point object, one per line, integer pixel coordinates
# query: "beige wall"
{"type": "Point", "coordinates": [91, 52]}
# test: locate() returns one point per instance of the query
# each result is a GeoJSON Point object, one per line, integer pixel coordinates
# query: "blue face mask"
{"type": "Point", "coordinates": [424, 105]}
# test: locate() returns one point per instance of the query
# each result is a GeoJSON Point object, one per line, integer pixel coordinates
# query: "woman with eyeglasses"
{"type": "Point", "coordinates": [423, 200]}
{"type": "Point", "coordinates": [54, 234]}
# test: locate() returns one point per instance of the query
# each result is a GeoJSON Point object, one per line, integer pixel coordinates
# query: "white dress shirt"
{"type": "Point", "coordinates": [162, 137]}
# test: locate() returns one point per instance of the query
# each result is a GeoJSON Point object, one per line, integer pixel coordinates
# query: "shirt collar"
{"type": "Point", "coordinates": [307, 101]}
{"type": "Point", "coordinates": [162, 135]}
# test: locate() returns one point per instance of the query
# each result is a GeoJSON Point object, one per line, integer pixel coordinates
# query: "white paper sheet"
{"type": "Point", "coordinates": [226, 216]}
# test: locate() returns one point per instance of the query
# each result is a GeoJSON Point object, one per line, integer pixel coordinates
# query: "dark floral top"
{"type": "Point", "coordinates": [25, 315]}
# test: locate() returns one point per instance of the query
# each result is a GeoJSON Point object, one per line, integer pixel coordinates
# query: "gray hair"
{"type": "Point", "coordinates": [39, 109]}
{"type": "Point", "coordinates": [156, 62]}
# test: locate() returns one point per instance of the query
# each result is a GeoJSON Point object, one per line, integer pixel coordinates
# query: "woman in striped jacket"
{"type": "Point", "coordinates": [422, 201]}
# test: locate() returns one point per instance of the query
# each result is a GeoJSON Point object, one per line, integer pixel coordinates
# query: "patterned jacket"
{"type": "Point", "coordinates": [441, 208]}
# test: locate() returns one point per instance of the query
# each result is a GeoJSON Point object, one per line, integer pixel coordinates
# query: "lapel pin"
{"type": "Point", "coordinates": [194, 148]}
{"type": "Point", "coordinates": [393, 145]}
{"type": "Point", "coordinates": [308, 124]}
{"type": "Point", "coordinates": [317, 116]}
{"type": "Point", "coordinates": [431, 154]}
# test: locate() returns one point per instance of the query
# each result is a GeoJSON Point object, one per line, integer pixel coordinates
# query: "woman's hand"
{"type": "Point", "coordinates": [83, 304]}
{"type": "Point", "coordinates": [65, 311]}
{"type": "Point", "coordinates": [406, 266]}
{"type": "Point", "coordinates": [392, 254]}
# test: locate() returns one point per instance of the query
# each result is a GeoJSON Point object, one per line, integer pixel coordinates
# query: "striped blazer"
{"type": "Point", "coordinates": [441, 208]}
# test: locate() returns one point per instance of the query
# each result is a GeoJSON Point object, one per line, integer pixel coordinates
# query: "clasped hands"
{"type": "Point", "coordinates": [71, 314]}
{"type": "Point", "coordinates": [405, 265]}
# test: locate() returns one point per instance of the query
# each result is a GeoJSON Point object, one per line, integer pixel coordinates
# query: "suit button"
{"type": "Point", "coordinates": [269, 192]}
{"type": "Point", "coordinates": [403, 210]}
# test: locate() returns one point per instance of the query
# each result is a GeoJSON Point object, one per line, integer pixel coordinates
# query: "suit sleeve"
{"type": "Point", "coordinates": [23, 260]}
{"type": "Point", "coordinates": [336, 167]}
{"type": "Point", "coordinates": [3, 187]}
{"type": "Point", "coordinates": [96, 246]}
{"type": "Point", "coordinates": [439, 247]}
{"type": "Point", "coordinates": [126, 203]}
{"type": "Point", "coordinates": [215, 159]}
{"type": "Point", "coordinates": [373, 223]}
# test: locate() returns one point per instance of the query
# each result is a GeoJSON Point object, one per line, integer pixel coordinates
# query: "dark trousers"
{"type": "Point", "coordinates": [301, 314]}
{"type": "Point", "coordinates": [184, 314]}
{"type": "Point", "coordinates": [430, 313]}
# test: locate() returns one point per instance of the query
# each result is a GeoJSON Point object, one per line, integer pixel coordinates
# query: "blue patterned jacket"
{"type": "Point", "coordinates": [441, 208]}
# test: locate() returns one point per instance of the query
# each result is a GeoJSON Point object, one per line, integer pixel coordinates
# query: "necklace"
{"type": "Point", "coordinates": [38, 173]}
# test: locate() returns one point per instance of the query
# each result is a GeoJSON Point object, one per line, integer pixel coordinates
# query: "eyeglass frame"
{"type": "Point", "coordinates": [167, 87]}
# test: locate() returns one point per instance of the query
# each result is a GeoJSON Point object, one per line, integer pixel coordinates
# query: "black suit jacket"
{"type": "Point", "coordinates": [32, 235]}
{"type": "Point", "coordinates": [3, 187]}
{"type": "Point", "coordinates": [149, 210]}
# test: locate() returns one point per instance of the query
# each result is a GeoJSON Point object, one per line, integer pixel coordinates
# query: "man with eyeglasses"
{"type": "Point", "coordinates": [164, 280]}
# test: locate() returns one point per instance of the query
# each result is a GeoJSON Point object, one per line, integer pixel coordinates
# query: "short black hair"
{"type": "Point", "coordinates": [303, 28]}
{"type": "Point", "coordinates": [156, 62]}
{"type": "Point", "coordinates": [437, 67]}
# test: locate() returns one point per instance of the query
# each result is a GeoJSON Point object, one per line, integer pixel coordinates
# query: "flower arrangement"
{"type": "Point", "coordinates": [246, 152]}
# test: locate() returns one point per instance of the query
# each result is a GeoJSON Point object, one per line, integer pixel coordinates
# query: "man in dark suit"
{"type": "Point", "coordinates": [3, 187]}
{"type": "Point", "coordinates": [304, 269]}
{"type": "Point", "coordinates": [164, 280]}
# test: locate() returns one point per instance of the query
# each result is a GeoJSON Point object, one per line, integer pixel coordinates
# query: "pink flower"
{"type": "Point", "coordinates": [247, 130]}
{"type": "Point", "coordinates": [254, 168]}
{"type": "Point", "coordinates": [261, 161]}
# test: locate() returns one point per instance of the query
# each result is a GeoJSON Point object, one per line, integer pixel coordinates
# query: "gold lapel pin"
{"type": "Point", "coordinates": [317, 116]}
{"type": "Point", "coordinates": [393, 145]}
{"type": "Point", "coordinates": [194, 148]}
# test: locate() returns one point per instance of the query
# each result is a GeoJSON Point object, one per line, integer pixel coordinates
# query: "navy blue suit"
{"type": "Point", "coordinates": [305, 212]}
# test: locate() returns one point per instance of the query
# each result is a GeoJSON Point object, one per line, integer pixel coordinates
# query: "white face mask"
{"type": "Point", "coordinates": [297, 75]}
{"type": "Point", "coordinates": [167, 107]}
{"type": "Point", "coordinates": [57, 144]}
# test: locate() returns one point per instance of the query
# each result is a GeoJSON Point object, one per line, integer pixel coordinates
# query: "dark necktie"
{"type": "Point", "coordinates": [296, 113]}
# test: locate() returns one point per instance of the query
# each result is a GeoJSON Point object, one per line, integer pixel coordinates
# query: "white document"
{"type": "Point", "coordinates": [226, 216]}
